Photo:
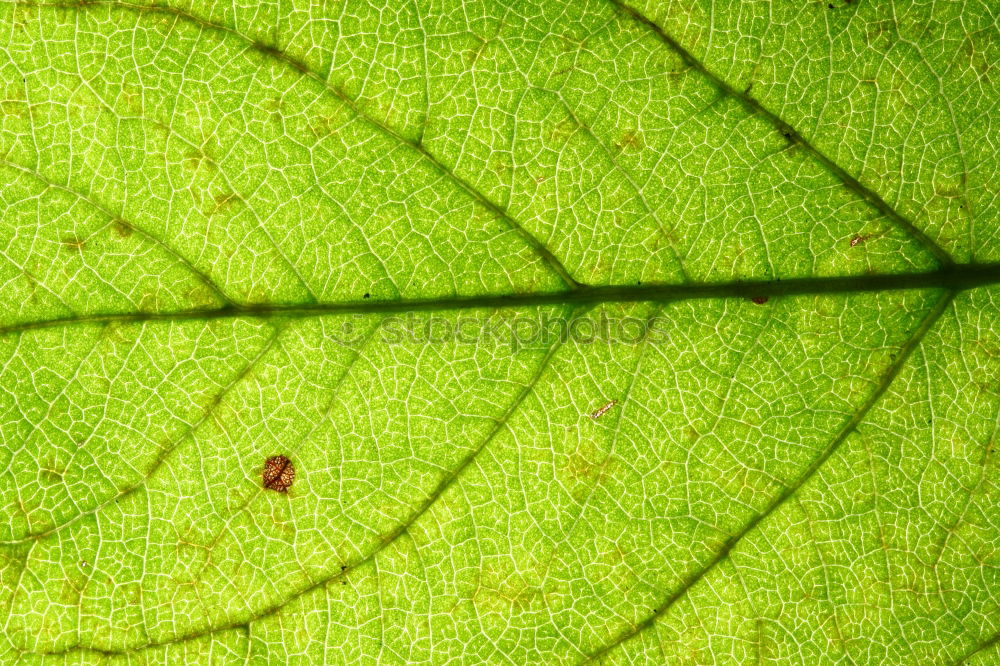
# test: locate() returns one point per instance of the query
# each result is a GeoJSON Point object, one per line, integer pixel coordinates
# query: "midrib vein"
{"type": "Point", "coordinates": [954, 278]}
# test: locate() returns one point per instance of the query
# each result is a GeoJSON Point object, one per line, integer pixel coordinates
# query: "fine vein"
{"type": "Point", "coordinates": [754, 107]}
{"type": "Point", "coordinates": [789, 490]}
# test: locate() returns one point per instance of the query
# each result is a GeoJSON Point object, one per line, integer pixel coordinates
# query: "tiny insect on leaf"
{"type": "Point", "coordinates": [604, 409]}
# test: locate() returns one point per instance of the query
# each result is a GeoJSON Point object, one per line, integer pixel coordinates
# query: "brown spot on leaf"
{"type": "Point", "coordinates": [581, 466]}
{"type": "Point", "coordinates": [74, 243]}
{"type": "Point", "coordinates": [881, 35]}
{"type": "Point", "coordinates": [267, 49]}
{"type": "Point", "coordinates": [18, 108]}
{"type": "Point", "coordinates": [323, 125]}
{"type": "Point", "coordinates": [858, 240]}
{"type": "Point", "coordinates": [498, 589]}
{"type": "Point", "coordinates": [760, 300]}
{"type": "Point", "coordinates": [50, 477]}
{"type": "Point", "coordinates": [224, 201]}
{"type": "Point", "coordinates": [279, 474]}
{"type": "Point", "coordinates": [562, 130]}
{"type": "Point", "coordinates": [630, 141]}
{"type": "Point", "coordinates": [121, 228]}
{"type": "Point", "coordinates": [201, 296]}
{"type": "Point", "coordinates": [195, 160]}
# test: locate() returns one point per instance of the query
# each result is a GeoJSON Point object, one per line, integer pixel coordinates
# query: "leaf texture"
{"type": "Point", "coordinates": [764, 428]}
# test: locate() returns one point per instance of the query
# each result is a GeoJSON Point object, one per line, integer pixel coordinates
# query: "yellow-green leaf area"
{"type": "Point", "coordinates": [594, 332]}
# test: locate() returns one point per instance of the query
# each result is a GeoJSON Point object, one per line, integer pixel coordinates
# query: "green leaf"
{"type": "Point", "coordinates": [665, 333]}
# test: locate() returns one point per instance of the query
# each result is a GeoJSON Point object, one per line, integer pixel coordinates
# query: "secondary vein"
{"type": "Point", "coordinates": [789, 490]}
{"type": "Point", "coordinates": [755, 107]}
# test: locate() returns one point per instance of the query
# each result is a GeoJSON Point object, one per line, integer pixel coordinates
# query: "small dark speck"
{"type": "Point", "coordinates": [638, 282]}
{"type": "Point", "coordinates": [787, 135]}
{"type": "Point", "coordinates": [759, 300]}
{"type": "Point", "coordinates": [343, 582]}
{"type": "Point", "coordinates": [367, 295]}
{"type": "Point", "coordinates": [343, 567]}
{"type": "Point", "coordinates": [830, 6]}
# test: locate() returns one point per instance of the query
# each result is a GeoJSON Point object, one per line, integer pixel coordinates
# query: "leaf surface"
{"type": "Point", "coordinates": [661, 333]}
